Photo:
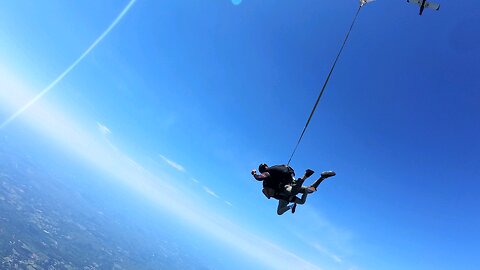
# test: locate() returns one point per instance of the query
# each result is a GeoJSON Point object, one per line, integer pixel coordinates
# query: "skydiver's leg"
{"type": "Point", "coordinates": [301, 200]}
{"type": "Point", "coordinates": [324, 176]}
{"type": "Point", "coordinates": [299, 182]}
{"type": "Point", "coordinates": [295, 188]}
{"type": "Point", "coordinates": [283, 207]}
{"type": "Point", "coordinates": [307, 190]}
{"type": "Point", "coordinates": [317, 183]}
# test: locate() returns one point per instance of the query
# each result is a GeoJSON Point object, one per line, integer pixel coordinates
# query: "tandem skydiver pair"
{"type": "Point", "coordinates": [279, 182]}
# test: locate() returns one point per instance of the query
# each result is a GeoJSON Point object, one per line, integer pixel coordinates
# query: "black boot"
{"type": "Point", "coordinates": [328, 174]}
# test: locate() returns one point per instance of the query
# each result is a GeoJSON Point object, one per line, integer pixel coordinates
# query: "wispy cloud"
{"type": "Point", "coordinates": [229, 203]}
{"type": "Point", "coordinates": [72, 66]}
{"type": "Point", "coordinates": [325, 251]}
{"type": "Point", "coordinates": [195, 180]}
{"type": "Point", "coordinates": [209, 191]}
{"type": "Point", "coordinates": [333, 235]}
{"type": "Point", "coordinates": [103, 129]}
{"type": "Point", "coordinates": [173, 164]}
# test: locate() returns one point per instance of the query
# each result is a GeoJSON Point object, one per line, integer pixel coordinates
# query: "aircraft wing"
{"type": "Point", "coordinates": [364, 2]}
{"type": "Point", "coordinates": [434, 6]}
{"type": "Point", "coordinates": [418, 2]}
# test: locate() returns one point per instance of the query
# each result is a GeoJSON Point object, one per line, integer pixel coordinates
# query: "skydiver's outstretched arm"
{"type": "Point", "coordinates": [260, 177]}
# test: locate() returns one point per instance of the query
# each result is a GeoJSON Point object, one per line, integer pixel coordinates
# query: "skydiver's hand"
{"type": "Point", "coordinates": [254, 172]}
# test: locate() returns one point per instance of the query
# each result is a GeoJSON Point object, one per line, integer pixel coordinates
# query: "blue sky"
{"type": "Point", "coordinates": [194, 94]}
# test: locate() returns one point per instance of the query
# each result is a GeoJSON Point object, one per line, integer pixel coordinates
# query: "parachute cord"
{"type": "Point", "coordinates": [325, 84]}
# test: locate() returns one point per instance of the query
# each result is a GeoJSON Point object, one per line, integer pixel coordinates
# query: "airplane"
{"type": "Point", "coordinates": [423, 4]}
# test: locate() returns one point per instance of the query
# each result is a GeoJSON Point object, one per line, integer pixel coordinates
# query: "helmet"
{"type": "Point", "coordinates": [262, 168]}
